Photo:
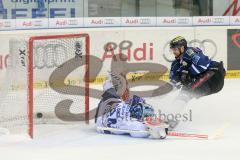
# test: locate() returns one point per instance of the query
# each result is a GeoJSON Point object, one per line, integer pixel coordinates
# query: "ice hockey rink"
{"type": "Point", "coordinates": [217, 113]}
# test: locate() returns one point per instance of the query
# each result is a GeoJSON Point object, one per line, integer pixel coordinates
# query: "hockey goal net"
{"type": "Point", "coordinates": [40, 79]}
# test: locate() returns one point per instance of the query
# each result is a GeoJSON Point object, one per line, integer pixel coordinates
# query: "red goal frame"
{"type": "Point", "coordinates": [30, 74]}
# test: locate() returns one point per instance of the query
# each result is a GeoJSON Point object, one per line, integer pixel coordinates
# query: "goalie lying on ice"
{"type": "Point", "coordinates": [115, 116]}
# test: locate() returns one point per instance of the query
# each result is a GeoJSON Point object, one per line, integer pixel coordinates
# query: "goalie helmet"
{"type": "Point", "coordinates": [141, 110]}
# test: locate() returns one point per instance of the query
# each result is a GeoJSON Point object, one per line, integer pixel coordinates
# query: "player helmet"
{"type": "Point", "coordinates": [178, 42]}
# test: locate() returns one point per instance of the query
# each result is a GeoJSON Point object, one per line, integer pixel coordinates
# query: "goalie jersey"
{"type": "Point", "coordinates": [114, 113]}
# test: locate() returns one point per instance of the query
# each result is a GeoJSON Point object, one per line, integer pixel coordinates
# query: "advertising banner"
{"type": "Point", "coordinates": [174, 21]}
{"type": "Point", "coordinates": [102, 21]}
{"type": "Point", "coordinates": [140, 45]}
{"type": "Point", "coordinates": [65, 22]}
{"type": "Point", "coordinates": [15, 9]}
{"type": "Point", "coordinates": [235, 20]}
{"type": "Point", "coordinates": [31, 23]}
{"type": "Point", "coordinates": [211, 20]}
{"type": "Point", "coordinates": [233, 51]}
{"type": "Point", "coordinates": [138, 21]}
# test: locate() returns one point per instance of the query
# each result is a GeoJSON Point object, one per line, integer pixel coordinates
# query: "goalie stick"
{"type": "Point", "coordinates": [216, 134]}
{"type": "Point", "coordinates": [170, 133]}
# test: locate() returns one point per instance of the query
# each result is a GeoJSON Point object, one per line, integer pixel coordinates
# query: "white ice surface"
{"type": "Point", "coordinates": [82, 142]}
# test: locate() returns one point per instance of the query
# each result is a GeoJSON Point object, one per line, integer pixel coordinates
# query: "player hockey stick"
{"type": "Point", "coordinates": [170, 133]}
{"type": "Point", "coordinates": [215, 135]}
{"type": "Point", "coordinates": [188, 135]}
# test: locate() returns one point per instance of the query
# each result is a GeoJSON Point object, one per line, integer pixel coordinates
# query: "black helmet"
{"type": "Point", "coordinates": [177, 42]}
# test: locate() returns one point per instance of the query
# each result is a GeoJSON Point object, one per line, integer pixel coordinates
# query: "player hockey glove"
{"type": "Point", "coordinates": [186, 79]}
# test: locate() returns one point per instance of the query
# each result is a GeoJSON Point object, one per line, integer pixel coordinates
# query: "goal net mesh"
{"type": "Point", "coordinates": [21, 102]}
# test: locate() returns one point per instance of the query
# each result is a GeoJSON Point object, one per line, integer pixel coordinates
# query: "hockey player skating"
{"type": "Point", "coordinates": [115, 116]}
{"type": "Point", "coordinates": [194, 74]}
{"type": "Point", "coordinates": [194, 71]}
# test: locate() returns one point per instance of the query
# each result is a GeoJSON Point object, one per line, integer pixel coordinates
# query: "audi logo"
{"type": "Point", "coordinates": [183, 21]}
{"type": "Point", "coordinates": [73, 22]}
{"type": "Point", "coordinates": [145, 21]}
{"type": "Point", "coordinates": [109, 21]}
{"type": "Point", "coordinates": [204, 44]}
{"type": "Point", "coordinates": [53, 54]}
{"type": "Point", "coordinates": [6, 24]}
{"type": "Point", "coordinates": [38, 23]}
{"type": "Point", "coordinates": [218, 20]}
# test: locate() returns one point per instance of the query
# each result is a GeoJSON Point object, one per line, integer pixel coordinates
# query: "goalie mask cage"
{"type": "Point", "coordinates": [26, 98]}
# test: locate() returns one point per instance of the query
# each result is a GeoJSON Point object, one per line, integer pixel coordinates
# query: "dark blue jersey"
{"type": "Point", "coordinates": [192, 62]}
